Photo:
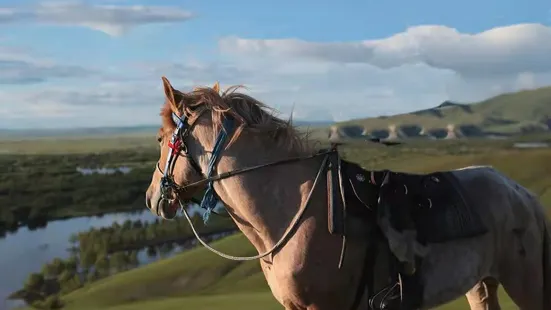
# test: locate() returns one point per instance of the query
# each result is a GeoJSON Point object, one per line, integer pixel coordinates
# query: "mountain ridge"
{"type": "Point", "coordinates": [527, 111]}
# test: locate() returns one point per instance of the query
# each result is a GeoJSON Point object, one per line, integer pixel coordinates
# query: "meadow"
{"type": "Point", "coordinates": [198, 279]}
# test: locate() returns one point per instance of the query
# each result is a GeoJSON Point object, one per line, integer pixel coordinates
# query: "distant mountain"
{"type": "Point", "coordinates": [516, 113]}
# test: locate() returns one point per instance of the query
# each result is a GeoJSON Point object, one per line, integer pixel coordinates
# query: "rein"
{"type": "Point", "coordinates": [283, 238]}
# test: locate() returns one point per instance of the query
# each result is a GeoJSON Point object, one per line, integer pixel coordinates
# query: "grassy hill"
{"type": "Point", "coordinates": [198, 279]}
{"type": "Point", "coordinates": [188, 280]}
{"type": "Point", "coordinates": [513, 113]}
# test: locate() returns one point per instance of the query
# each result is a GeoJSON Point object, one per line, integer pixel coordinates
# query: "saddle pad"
{"type": "Point", "coordinates": [435, 205]}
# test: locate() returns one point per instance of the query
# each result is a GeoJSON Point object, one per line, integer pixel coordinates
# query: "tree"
{"type": "Point", "coordinates": [73, 239]}
{"type": "Point", "coordinates": [71, 264]}
{"type": "Point", "coordinates": [88, 258]}
{"type": "Point", "coordinates": [92, 276]}
{"type": "Point", "coordinates": [137, 224]}
{"type": "Point", "coordinates": [34, 282]}
{"type": "Point", "coordinates": [166, 248]}
{"type": "Point", "coordinates": [65, 276]}
{"type": "Point", "coordinates": [102, 265]}
{"type": "Point", "coordinates": [152, 251]}
{"type": "Point", "coordinates": [133, 259]}
{"type": "Point", "coordinates": [52, 302]}
{"type": "Point", "coordinates": [119, 261]}
{"type": "Point", "coordinates": [127, 225]}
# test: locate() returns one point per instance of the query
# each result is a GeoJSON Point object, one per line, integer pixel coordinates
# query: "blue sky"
{"type": "Point", "coordinates": [99, 63]}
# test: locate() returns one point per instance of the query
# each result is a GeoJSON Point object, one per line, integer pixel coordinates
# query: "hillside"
{"type": "Point", "coordinates": [507, 114]}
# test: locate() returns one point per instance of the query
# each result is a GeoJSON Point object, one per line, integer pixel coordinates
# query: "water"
{"type": "Point", "coordinates": [26, 251]}
{"type": "Point", "coordinates": [88, 171]}
{"type": "Point", "coordinates": [530, 145]}
{"type": "Point", "coordinates": [144, 258]}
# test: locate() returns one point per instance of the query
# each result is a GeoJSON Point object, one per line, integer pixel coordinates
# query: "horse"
{"type": "Point", "coordinates": [275, 185]}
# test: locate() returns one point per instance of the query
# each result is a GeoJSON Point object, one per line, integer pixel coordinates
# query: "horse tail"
{"type": "Point", "coordinates": [546, 263]}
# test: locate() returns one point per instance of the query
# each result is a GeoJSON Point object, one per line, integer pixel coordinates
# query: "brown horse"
{"type": "Point", "coordinates": [269, 178]}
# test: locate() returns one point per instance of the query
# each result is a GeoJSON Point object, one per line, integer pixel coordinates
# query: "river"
{"type": "Point", "coordinates": [26, 251]}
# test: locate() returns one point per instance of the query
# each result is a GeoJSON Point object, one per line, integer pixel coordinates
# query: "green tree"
{"type": "Point", "coordinates": [52, 302]}
{"type": "Point", "coordinates": [119, 261]}
{"type": "Point", "coordinates": [92, 276]}
{"type": "Point", "coordinates": [166, 248]}
{"type": "Point", "coordinates": [133, 259]}
{"type": "Point", "coordinates": [151, 251]}
{"type": "Point", "coordinates": [34, 282]}
{"type": "Point", "coordinates": [87, 258]}
{"type": "Point", "coordinates": [102, 265]}
{"type": "Point", "coordinates": [137, 224]}
{"type": "Point", "coordinates": [71, 264]}
{"type": "Point", "coordinates": [73, 239]}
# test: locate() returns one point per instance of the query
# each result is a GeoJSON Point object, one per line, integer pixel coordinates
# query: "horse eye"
{"type": "Point", "coordinates": [159, 139]}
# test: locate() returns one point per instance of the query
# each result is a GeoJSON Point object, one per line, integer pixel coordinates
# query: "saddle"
{"type": "Point", "coordinates": [433, 205]}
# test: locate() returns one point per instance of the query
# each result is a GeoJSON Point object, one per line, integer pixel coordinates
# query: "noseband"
{"type": "Point", "coordinates": [170, 190]}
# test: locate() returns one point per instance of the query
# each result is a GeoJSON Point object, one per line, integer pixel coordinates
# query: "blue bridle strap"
{"type": "Point", "coordinates": [209, 198]}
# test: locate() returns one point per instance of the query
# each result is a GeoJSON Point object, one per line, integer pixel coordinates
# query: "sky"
{"type": "Point", "coordinates": [67, 64]}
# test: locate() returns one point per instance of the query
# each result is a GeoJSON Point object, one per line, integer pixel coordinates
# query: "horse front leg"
{"type": "Point", "coordinates": [483, 296]}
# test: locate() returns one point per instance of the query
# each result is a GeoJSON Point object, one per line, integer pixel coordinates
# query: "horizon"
{"type": "Point", "coordinates": [305, 121]}
{"type": "Point", "coordinates": [98, 64]}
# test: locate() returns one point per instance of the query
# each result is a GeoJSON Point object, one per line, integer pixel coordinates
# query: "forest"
{"type": "Point", "coordinates": [37, 189]}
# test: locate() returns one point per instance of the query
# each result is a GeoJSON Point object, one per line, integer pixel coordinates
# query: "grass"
{"type": "Point", "coordinates": [97, 143]}
{"type": "Point", "coordinates": [189, 274]}
{"type": "Point", "coordinates": [198, 279]}
{"type": "Point", "coordinates": [76, 145]}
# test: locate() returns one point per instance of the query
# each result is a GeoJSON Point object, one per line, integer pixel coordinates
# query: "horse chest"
{"type": "Point", "coordinates": [300, 287]}
{"type": "Point", "coordinates": [284, 283]}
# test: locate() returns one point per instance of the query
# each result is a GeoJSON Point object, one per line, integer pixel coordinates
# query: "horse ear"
{"type": "Point", "coordinates": [216, 87]}
{"type": "Point", "coordinates": [170, 95]}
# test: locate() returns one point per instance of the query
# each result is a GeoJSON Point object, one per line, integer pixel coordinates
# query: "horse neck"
{"type": "Point", "coordinates": [263, 202]}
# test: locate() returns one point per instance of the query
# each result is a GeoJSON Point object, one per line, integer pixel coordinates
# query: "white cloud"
{"type": "Point", "coordinates": [113, 20]}
{"type": "Point", "coordinates": [503, 50]}
{"type": "Point", "coordinates": [413, 70]}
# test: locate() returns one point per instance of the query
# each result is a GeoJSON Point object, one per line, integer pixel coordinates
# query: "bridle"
{"type": "Point", "coordinates": [170, 190]}
{"type": "Point", "coordinates": [177, 147]}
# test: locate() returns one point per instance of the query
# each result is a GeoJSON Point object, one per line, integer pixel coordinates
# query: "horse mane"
{"type": "Point", "coordinates": [250, 115]}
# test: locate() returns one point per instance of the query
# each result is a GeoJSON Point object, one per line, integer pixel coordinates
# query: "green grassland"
{"type": "Point", "coordinates": [76, 145]}
{"type": "Point", "coordinates": [198, 279]}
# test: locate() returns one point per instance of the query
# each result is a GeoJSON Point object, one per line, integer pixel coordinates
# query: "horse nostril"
{"type": "Point", "coordinates": [148, 203]}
